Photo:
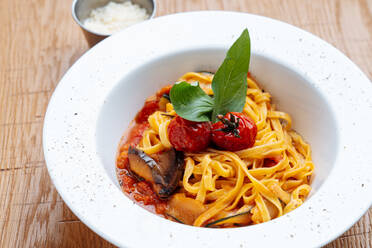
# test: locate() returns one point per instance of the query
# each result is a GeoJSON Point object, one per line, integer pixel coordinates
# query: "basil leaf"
{"type": "Point", "coordinates": [229, 84]}
{"type": "Point", "coordinates": [191, 102]}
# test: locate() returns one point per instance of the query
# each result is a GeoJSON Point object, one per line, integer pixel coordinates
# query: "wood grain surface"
{"type": "Point", "coordinates": [39, 41]}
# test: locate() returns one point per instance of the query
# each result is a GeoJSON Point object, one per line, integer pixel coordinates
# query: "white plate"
{"type": "Point", "coordinates": [328, 97]}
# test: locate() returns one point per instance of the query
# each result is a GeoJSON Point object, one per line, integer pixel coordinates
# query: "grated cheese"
{"type": "Point", "coordinates": [114, 17]}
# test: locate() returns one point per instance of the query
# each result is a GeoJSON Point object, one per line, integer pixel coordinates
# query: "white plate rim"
{"type": "Point", "coordinates": [92, 202]}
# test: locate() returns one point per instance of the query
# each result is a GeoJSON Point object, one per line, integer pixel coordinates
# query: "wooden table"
{"type": "Point", "coordinates": [38, 43]}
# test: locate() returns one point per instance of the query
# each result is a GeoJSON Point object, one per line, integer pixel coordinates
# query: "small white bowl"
{"type": "Point", "coordinates": [327, 96]}
{"type": "Point", "coordinates": [81, 10]}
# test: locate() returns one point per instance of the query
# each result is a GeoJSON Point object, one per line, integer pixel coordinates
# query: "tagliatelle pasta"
{"type": "Point", "coordinates": [244, 187]}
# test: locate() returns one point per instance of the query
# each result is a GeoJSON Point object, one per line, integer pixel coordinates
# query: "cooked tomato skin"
{"type": "Point", "coordinates": [189, 136]}
{"type": "Point", "coordinates": [247, 131]}
{"type": "Point", "coordinates": [135, 135]}
{"type": "Point", "coordinates": [151, 105]}
{"type": "Point", "coordinates": [148, 109]}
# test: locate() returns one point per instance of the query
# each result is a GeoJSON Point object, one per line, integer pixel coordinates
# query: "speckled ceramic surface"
{"type": "Point", "coordinates": [83, 126]}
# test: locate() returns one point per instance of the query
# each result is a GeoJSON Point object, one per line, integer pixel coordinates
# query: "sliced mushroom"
{"type": "Point", "coordinates": [184, 209]}
{"type": "Point", "coordinates": [164, 170]}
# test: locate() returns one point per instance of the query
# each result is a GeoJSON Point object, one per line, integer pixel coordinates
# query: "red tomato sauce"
{"type": "Point", "coordinates": [138, 190]}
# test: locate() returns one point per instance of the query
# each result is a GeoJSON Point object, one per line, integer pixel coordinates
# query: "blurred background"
{"type": "Point", "coordinates": [39, 41]}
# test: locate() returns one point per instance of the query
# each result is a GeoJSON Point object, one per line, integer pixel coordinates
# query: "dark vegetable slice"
{"type": "Point", "coordinates": [140, 164]}
{"type": "Point", "coordinates": [168, 171]}
{"type": "Point", "coordinates": [163, 171]}
{"type": "Point", "coordinates": [226, 218]}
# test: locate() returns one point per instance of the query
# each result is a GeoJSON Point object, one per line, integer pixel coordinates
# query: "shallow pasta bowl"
{"type": "Point", "coordinates": [324, 92]}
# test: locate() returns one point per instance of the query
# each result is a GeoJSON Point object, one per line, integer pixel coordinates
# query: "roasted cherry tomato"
{"type": "Point", "coordinates": [234, 131]}
{"type": "Point", "coordinates": [189, 136]}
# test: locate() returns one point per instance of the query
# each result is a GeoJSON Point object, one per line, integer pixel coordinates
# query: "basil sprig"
{"type": "Point", "coordinates": [229, 86]}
